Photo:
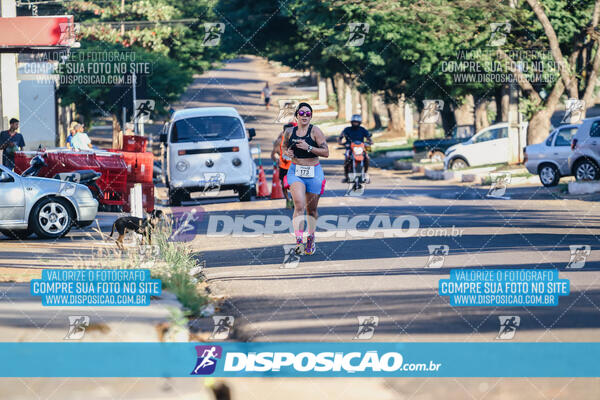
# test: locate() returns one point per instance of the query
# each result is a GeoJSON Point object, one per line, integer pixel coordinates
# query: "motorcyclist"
{"type": "Point", "coordinates": [354, 133]}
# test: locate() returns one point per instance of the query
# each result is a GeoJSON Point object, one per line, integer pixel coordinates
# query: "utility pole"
{"type": "Point", "coordinates": [133, 119]}
{"type": "Point", "coordinates": [516, 133]}
{"type": "Point", "coordinates": [122, 16]}
{"type": "Point", "coordinates": [9, 86]}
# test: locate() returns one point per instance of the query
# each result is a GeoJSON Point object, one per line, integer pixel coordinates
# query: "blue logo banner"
{"type": "Point", "coordinates": [231, 359]}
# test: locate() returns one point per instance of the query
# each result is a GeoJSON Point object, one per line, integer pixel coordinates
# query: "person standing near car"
{"type": "Point", "coordinates": [354, 133]}
{"type": "Point", "coordinates": [10, 142]}
{"type": "Point", "coordinates": [81, 140]}
{"type": "Point", "coordinates": [72, 132]}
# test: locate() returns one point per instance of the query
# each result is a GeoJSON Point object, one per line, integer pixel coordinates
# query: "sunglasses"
{"type": "Point", "coordinates": [303, 113]}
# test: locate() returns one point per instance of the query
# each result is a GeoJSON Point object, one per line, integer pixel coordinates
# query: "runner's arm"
{"type": "Point", "coordinates": [275, 152]}
{"type": "Point", "coordinates": [286, 139]}
{"type": "Point", "coordinates": [322, 150]}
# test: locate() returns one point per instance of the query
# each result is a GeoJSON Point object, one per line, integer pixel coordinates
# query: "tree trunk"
{"type": "Point", "coordinates": [448, 120]}
{"type": "Point", "coordinates": [366, 111]}
{"type": "Point", "coordinates": [340, 93]}
{"type": "Point", "coordinates": [331, 102]}
{"type": "Point", "coordinates": [355, 100]}
{"type": "Point", "coordinates": [426, 130]}
{"type": "Point", "coordinates": [502, 103]}
{"type": "Point", "coordinates": [465, 113]}
{"type": "Point", "coordinates": [321, 89]}
{"type": "Point", "coordinates": [539, 126]}
{"type": "Point", "coordinates": [376, 108]}
{"type": "Point", "coordinates": [481, 117]}
{"type": "Point", "coordinates": [396, 115]}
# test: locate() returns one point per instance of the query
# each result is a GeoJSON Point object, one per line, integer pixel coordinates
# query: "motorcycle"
{"type": "Point", "coordinates": [87, 177]}
{"type": "Point", "coordinates": [357, 175]}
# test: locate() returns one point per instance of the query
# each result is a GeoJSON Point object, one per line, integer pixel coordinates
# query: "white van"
{"type": "Point", "coordinates": [207, 148]}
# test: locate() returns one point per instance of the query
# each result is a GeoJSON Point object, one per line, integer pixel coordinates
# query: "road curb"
{"type": "Point", "coordinates": [584, 187]}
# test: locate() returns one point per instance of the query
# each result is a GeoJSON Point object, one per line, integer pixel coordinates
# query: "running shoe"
{"type": "Point", "coordinates": [299, 246]}
{"type": "Point", "coordinates": [310, 245]}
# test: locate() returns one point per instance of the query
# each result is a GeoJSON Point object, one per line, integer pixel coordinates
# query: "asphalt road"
{"type": "Point", "coordinates": [385, 275]}
{"type": "Point", "coordinates": [349, 276]}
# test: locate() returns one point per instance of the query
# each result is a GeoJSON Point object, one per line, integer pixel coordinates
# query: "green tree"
{"type": "Point", "coordinates": [165, 82]}
{"type": "Point", "coordinates": [568, 33]}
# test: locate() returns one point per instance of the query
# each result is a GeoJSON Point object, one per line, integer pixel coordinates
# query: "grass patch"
{"type": "Point", "coordinates": [176, 264]}
{"type": "Point", "coordinates": [180, 269]}
{"type": "Point", "coordinates": [487, 180]}
{"type": "Point", "coordinates": [331, 121]}
{"type": "Point", "coordinates": [408, 146]}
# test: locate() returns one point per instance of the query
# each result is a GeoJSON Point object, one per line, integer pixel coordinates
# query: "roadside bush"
{"type": "Point", "coordinates": [179, 269]}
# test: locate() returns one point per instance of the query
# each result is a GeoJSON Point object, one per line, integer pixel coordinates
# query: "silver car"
{"type": "Point", "coordinates": [550, 159]}
{"type": "Point", "coordinates": [584, 162]}
{"type": "Point", "coordinates": [46, 207]}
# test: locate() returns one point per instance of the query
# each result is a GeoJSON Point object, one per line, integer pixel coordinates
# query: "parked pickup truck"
{"type": "Point", "coordinates": [435, 148]}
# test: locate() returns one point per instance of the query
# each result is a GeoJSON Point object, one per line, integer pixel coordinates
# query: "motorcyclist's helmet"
{"type": "Point", "coordinates": [356, 118]}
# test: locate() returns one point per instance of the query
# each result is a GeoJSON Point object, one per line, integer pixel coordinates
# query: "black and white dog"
{"type": "Point", "coordinates": [143, 226]}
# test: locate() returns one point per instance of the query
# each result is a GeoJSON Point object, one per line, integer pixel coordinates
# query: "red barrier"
{"type": "Point", "coordinates": [111, 165]}
{"type": "Point", "coordinates": [140, 166]}
{"type": "Point", "coordinates": [136, 144]}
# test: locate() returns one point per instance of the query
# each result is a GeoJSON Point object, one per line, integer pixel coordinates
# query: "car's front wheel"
{"type": "Point", "coordinates": [51, 218]}
{"type": "Point", "coordinates": [549, 175]}
{"type": "Point", "coordinates": [437, 156]}
{"type": "Point", "coordinates": [458, 163]}
{"type": "Point", "coordinates": [586, 170]}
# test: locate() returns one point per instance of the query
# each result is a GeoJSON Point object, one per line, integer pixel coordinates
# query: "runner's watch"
{"type": "Point", "coordinates": [309, 148]}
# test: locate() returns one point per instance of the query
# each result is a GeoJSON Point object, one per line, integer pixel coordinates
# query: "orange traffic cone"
{"type": "Point", "coordinates": [263, 190]}
{"type": "Point", "coordinates": [276, 190]}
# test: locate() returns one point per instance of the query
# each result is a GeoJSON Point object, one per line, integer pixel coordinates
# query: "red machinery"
{"type": "Point", "coordinates": [140, 168]}
{"type": "Point", "coordinates": [111, 165]}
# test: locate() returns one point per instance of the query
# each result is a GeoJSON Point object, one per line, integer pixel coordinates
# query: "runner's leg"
{"type": "Point", "coordinates": [312, 202]}
{"type": "Point", "coordinates": [298, 190]}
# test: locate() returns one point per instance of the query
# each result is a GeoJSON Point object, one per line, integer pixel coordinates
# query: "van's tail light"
{"type": "Point", "coordinates": [181, 153]}
{"type": "Point", "coordinates": [573, 144]}
{"type": "Point", "coordinates": [235, 149]}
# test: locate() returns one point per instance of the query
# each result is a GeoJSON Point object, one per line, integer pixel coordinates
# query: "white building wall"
{"type": "Point", "coordinates": [37, 103]}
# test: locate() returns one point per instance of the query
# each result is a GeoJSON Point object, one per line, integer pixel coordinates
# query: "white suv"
{"type": "Point", "coordinates": [584, 161]}
{"type": "Point", "coordinates": [205, 148]}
